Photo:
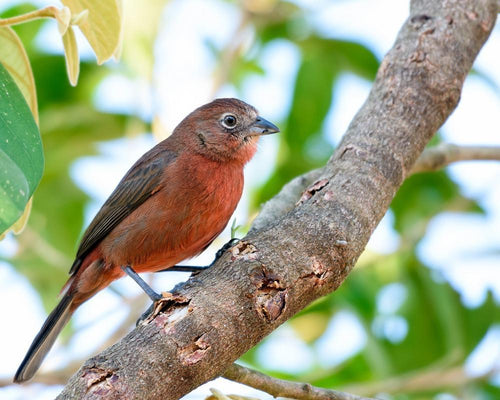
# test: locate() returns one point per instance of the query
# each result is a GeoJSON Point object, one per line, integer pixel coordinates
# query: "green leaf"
{"type": "Point", "coordinates": [285, 21]}
{"type": "Point", "coordinates": [16, 61]}
{"type": "Point", "coordinates": [242, 69]}
{"type": "Point", "coordinates": [348, 56]}
{"type": "Point", "coordinates": [21, 153]}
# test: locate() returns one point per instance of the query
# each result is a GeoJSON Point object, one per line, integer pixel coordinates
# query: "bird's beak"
{"type": "Point", "coordinates": [262, 126]}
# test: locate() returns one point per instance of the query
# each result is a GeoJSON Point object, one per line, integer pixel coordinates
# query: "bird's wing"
{"type": "Point", "coordinates": [141, 182]}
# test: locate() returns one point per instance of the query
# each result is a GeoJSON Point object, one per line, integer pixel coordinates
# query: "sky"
{"type": "Point", "coordinates": [181, 84]}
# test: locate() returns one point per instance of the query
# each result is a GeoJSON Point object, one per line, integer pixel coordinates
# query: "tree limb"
{"type": "Point", "coordinates": [444, 154]}
{"type": "Point", "coordinates": [278, 269]}
{"type": "Point", "coordinates": [281, 388]}
{"type": "Point", "coordinates": [432, 159]}
{"type": "Point", "coordinates": [432, 378]}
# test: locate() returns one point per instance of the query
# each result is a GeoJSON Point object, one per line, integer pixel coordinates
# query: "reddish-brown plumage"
{"type": "Point", "coordinates": [170, 206]}
{"type": "Point", "coordinates": [169, 227]}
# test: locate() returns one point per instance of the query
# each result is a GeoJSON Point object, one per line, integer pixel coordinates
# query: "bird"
{"type": "Point", "coordinates": [170, 205]}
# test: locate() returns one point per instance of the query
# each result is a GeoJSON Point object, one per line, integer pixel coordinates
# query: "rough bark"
{"type": "Point", "coordinates": [285, 263]}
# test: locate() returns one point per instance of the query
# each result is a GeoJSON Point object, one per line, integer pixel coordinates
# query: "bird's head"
{"type": "Point", "coordinates": [224, 130]}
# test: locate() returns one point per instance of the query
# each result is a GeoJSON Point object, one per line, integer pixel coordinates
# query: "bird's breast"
{"type": "Point", "coordinates": [178, 222]}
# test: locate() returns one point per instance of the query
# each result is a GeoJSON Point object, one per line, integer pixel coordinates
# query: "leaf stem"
{"type": "Point", "coordinates": [47, 12]}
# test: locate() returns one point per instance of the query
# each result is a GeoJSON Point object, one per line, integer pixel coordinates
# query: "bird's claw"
{"type": "Point", "coordinates": [224, 248]}
{"type": "Point", "coordinates": [159, 300]}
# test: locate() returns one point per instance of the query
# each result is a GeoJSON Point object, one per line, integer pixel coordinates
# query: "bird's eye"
{"type": "Point", "coordinates": [229, 121]}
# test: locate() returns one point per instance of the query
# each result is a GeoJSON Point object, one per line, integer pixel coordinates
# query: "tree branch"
{"type": "Point", "coordinates": [444, 154]}
{"type": "Point", "coordinates": [281, 388]}
{"type": "Point", "coordinates": [432, 159]}
{"type": "Point", "coordinates": [281, 267]}
{"type": "Point", "coordinates": [428, 379]}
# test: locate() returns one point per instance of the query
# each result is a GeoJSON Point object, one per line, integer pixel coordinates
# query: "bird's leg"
{"type": "Point", "coordinates": [224, 248]}
{"type": "Point", "coordinates": [155, 297]}
{"type": "Point", "coordinates": [198, 268]}
{"type": "Point", "coordinates": [185, 268]}
{"type": "Point", "coordinates": [150, 312]}
{"type": "Point", "coordinates": [144, 286]}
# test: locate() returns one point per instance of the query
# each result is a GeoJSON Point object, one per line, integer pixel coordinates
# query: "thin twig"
{"type": "Point", "coordinates": [444, 154]}
{"type": "Point", "coordinates": [281, 388]}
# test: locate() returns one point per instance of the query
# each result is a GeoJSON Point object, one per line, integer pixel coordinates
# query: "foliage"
{"type": "Point", "coordinates": [441, 331]}
{"type": "Point", "coordinates": [21, 155]}
{"type": "Point", "coordinates": [100, 22]}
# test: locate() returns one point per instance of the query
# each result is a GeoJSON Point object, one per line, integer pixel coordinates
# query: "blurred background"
{"type": "Point", "coordinates": [418, 318]}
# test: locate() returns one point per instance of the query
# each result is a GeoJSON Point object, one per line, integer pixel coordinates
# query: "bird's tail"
{"type": "Point", "coordinates": [45, 339]}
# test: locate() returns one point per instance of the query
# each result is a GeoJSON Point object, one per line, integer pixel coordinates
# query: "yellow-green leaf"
{"type": "Point", "coordinates": [71, 55]}
{"type": "Point", "coordinates": [19, 225]}
{"type": "Point", "coordinates": [118, 51]}
{"type": "Point", "coordinates": [78, 19]}
{"type": "Point", "coordinates": [63, 17]}
{"type": "Point", "coordinates": [103, 26]}
{"type": "Point", "coordinates": [15, 60]}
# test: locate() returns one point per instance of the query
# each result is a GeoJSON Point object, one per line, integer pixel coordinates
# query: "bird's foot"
{"type": "Point", "coordinates": [158, 299]}
{"type": "Point", "coordinates": [196, 269]}
{"type": "Point", "coordinates": [224, 248]}
{"type": "Point", "coordinates": [186, 268]}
